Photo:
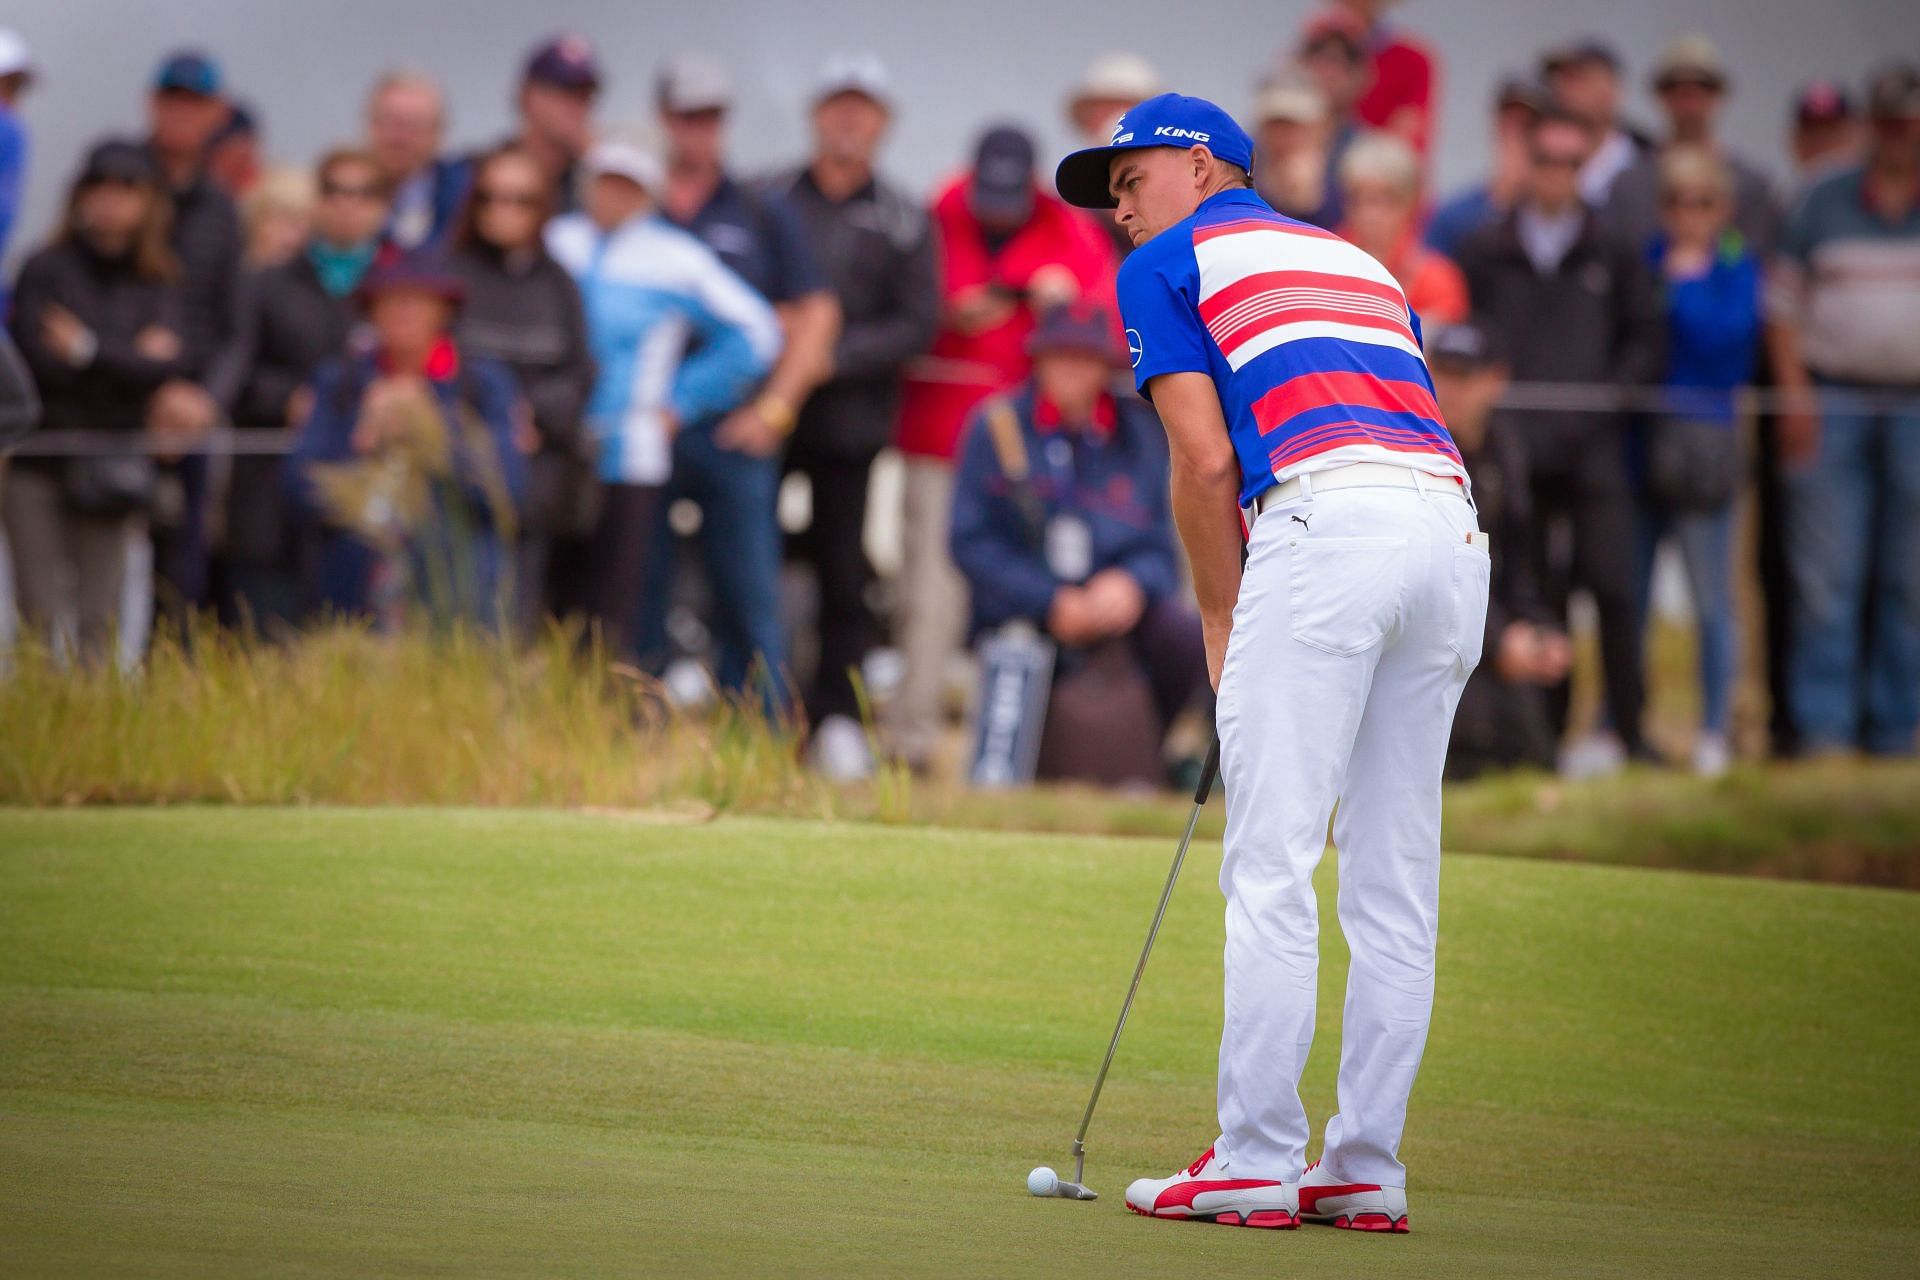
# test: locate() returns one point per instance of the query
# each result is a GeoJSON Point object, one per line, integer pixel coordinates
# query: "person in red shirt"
{"type": "Point", "coordinates": [1380, 191]}
{"type": "Point", "coordinates": [1008, 252]}
{"type": "Point", "coordinates": [1405, 92]}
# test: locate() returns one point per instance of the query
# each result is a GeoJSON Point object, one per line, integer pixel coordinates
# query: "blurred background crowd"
{"type": "Point", "coordinates": [810, 436]}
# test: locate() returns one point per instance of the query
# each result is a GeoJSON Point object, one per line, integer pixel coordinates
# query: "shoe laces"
{"type": "Point", "coordinates": [1193, 1170]}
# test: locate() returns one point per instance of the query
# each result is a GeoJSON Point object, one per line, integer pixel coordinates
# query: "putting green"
{"type": "Point", "coordinates": [472, 1043]}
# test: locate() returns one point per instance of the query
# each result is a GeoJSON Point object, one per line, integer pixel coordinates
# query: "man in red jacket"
{"type": "Point", "coordinates": [1008, 251]}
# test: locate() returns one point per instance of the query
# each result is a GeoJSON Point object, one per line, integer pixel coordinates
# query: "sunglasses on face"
{"type": "Point", "coordinates": [509, 199]}
{"type": "Point", "coordinates": [348, 191]}
{"type": "Point", "coordinates": [1697, 202]}
{"type": "Point", "coordinates": [1547, 160]}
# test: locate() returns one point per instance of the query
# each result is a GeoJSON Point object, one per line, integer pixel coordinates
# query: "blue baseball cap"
{"type": "Point", "coordinates": [188, 71]}
{"type": "Point", "coordinates": [1170, 120]}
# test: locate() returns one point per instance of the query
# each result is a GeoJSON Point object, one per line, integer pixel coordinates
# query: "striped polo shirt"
{"type": "Point", "coordinates": [1308, 340]}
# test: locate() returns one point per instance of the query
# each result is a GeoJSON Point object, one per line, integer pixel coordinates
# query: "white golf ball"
{"type": "Point", "coordinates": [1042, 1181]}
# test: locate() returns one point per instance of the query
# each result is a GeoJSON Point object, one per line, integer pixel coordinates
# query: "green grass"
{"type": "Point", "coordinates": [324, 1042]}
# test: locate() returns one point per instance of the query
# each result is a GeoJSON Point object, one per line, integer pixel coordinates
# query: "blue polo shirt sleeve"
{"type": "Point", "coordinates": [1159, 291]}
{"type": "Point", "coordinates": [796, 268]}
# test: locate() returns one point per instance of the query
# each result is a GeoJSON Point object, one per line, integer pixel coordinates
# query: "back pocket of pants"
{"type": "Point", "coordinates": [1467, 633]}
{"type": "Point", "coordinates": [1345, 592]}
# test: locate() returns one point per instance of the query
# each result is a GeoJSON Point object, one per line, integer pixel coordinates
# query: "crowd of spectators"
{"type": "Point", "coordinates": [571, 375]}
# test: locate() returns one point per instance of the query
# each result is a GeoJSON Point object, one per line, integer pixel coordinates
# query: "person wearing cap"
{"type": "Point", "coordinates": [1060, 522]}
{"type": "Point", "coordinates": [875, 243]}
{"type": "Point", "coordinates": [679, 341]}
{"type": "Point", "coordinates": [731, 470]}
{"type": "Point", "coordinates": [1574, 303]}
{"type": "Point", "coordinates": [1516, 104]}
{"type": "Point", "coordinates": [1583, 77]}
{"type": "Point", "coordinates": [1824, 136]}
{"type": "Point", "coordinates": [1286, 368]}
{"type": "Point", "coordinates": [558, 89]}
{"type": "Point", "coordinates": [1380, 185]}
{"type": "Point", "coordinates": [1503, 721]}
{"type": "Point", "coordinates": [406, 121]}
{"type": "Point", "coordinates": [16, 77]}
{"type": "Point", "coordinates": [1294, 125]}
{"type": "Point", "coordinates": [409, 404]}
{"type": "Point", "coordinates": [524, 310]}
{"type": "Point", "coordinates": [1403, 77]}
{"type": "Point", "coordinates": [184, 111]}
{"type": "Point", "coordinates": [1111, 83]}
{"type": "Point", "coordinates": [1844, 314]}
{"type": "Point", "coordinates": [1691, 83]}
{"type": "Point", "coordinates": [1007, 251]}
{"type": "Point", "coordinates": [293, 318]}
{"type": "Point", "coordinates": [100, 319]}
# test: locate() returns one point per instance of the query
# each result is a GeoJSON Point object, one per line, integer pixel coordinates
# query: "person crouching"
{"type": "Point", "coordinates": [410, 460]}
{"type": "Point", "coordinates": [1061, 523]}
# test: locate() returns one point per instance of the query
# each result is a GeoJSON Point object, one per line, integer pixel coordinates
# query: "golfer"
{"type": "Point", "coordinates": [1286, 368]}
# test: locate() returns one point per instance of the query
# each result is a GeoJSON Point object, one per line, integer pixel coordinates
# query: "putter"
{"type": "Point", "coordinates": [1077, 1189]}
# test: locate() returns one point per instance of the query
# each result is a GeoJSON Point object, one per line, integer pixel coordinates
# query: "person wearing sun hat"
{"type": "Point", "coordinates": [409, 403]}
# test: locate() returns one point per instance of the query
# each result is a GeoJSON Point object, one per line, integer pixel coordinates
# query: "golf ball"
{"type": "Point", "coordinates": [1042, 1181]}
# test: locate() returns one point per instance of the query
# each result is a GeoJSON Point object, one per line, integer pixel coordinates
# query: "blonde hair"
{"type": "Point", "coordinates": [1687, 168]}
{"type": "Point", "coordinates": [1382, 157]}
{"type": "Point", "coordinates": [282, 189]}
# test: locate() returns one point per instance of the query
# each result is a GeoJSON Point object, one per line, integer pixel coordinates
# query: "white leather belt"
{"type": "Point", "coordinates": [1358, 475]}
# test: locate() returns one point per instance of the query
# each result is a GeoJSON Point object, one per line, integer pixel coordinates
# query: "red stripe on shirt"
{"type": "Point", "coordinates": [1291, 453]}
{"type": "Point", "coordinates": [1319, 389]}
{"type": "Point", "coordinates": [1252, 286]}
{"type": "Point", "coordinates": [1240, 225]}
{"type": "Point", "coordinates": [1308, 315]}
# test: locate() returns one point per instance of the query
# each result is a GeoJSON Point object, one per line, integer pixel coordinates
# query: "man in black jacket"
{"type": "Point", "coordinates": [1573, 304]}
{"type": "Point", "coordinates": [1502, 721]}
{"type": "Point", "coordinates": [185, 110]}
{"type": "Point", "coordinates": [875, 244]}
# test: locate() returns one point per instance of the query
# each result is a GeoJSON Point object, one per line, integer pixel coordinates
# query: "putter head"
{"type": "Point", "coordinates": [1074, 1191]}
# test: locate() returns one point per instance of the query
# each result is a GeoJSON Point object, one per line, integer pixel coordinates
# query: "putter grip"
{"type": "Point", "coordinates": [1207, 772]}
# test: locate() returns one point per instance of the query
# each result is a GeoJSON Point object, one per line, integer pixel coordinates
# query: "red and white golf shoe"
{"type": "Point", "coordinates": [1354, 1206]}
{"type": "Point", "coordinates": [1209, 1191]}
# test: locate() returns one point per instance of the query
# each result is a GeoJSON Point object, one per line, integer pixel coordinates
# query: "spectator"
{"type": "Point", "coordinates": [16, 77]}
{"type": "Point", "coordinates": [1845, 313]}
{"type": "Point", "coordinates": [1007, 252]}
{"type": "Point", "coordinates": [101, 321]}
{"type": "Point", "coordinates": [1691, 82]}
{"type": "Point", "coordinates": [294, 317]}
{"type": "Point", "coordinates": [1572, 304]}
{"type": "Point", "coordinates": [1293, 129]}
{"type": "Point", "coordinates": [558, 90]}
{"type": "Point", "coordinates": [677, 340]}
{"type": "Point", "coordinates": [1380, 186]}
{"type": "Point", "coordinates": [1403, 82]}
{"type": "Point", "coordinates": [1584, 78]}
{"type": "Point", "coordinates": [1826, 133]}
{"type": "Point", "coordinates": [407, 458]}
{"type": "Point", "coordinates": [234, 163]}
{"type": "Point", "coordinates": [1061, 521]}
{"type": "Point", "coordinates": [406, 129]}
{"type": "Point", "coordinates": [731, 467]}
{"type": "Point", "coordinates": [1515, 107]}
{"type": "Point", "coordinates": [1333, 53]}
{"type": "Point", "coordinates": [277, 217]}
{"type": "Point", "coordinates": [1693, 467]}
{"type": "Point", "coordinates": [184, 111]}
{"type": "Point", "coordinates": [1112, 84]}
{"type": "Point", "coordinates": [19, 399]}
{"type": "Point", "coordinates": [1503, 721]}
{"type": "Point", "coordinates": [524, 311]}
{"type": "Point", "coordinates": [876, 246]}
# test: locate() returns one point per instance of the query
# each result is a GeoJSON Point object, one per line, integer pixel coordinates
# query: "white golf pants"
{"type": "Point", "coordinates": [1360, 618]}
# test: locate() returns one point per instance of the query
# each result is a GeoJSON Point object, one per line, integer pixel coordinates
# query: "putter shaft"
{"type": "Point", "coordinates": [1200, 793]}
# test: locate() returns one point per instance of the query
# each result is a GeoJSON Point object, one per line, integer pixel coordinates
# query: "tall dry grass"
{"type": "Point", "coordinates": [344, 716]}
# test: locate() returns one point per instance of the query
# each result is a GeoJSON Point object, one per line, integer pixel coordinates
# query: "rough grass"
{"type": "Point", "coordinates": [314, 1042]}
{"type": "Point", "coordinates": [344, 717]}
